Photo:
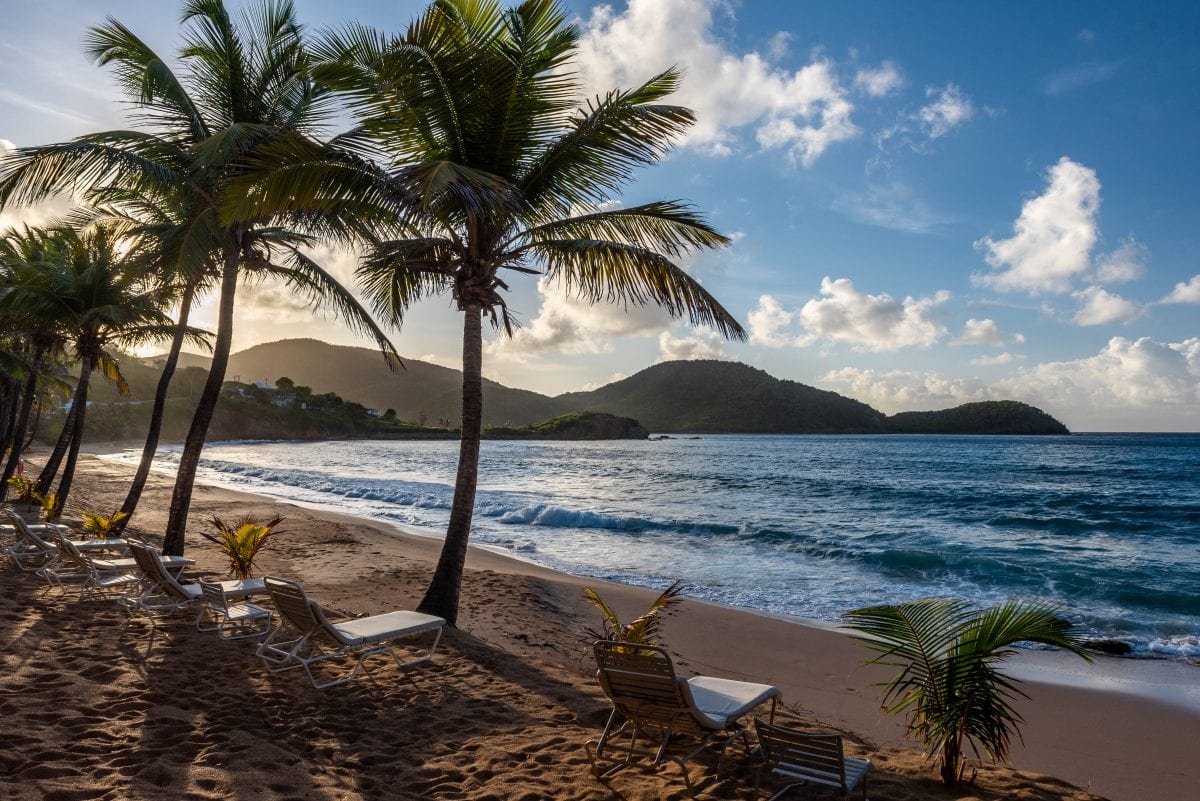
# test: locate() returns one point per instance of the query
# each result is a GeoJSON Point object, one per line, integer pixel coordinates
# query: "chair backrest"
{"type": "Point", "coordinates": [70, 553]}
{"type": "Point", "coordinates": [24, 532]}
{"type": "Point", "coordinates": [809, 757]}
{"type": "Point", "coordinates": [151, 565]}
{"type": "Point", "coordinates": [298, 611]}
{"type": "Point", "coordinates": [641, 682]}
{"type": "Point", "coordinates": [214, 594]}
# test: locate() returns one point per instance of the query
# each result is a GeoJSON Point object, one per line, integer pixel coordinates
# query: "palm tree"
{"type": "Point", "coordinates": [94, 285]}
{"type": "Point", "coordinates": [950, 684]}
{"type": "Point", "coordinates": [244, 86]}
{"type": "Point", "coordinates": [23, 255]}
{"type": "Point", "coordinates": [473, 160]}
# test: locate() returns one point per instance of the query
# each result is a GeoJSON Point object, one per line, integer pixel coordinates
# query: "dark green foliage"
{"type": "Point", "coordinates": [985, 417]}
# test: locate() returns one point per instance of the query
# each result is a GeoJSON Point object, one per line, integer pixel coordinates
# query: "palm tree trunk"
{"type": "Point", "coordinates": [32, 431]}
{"type": "Point", "coordinates": [441, 598]}
{"type": "Point", "coordinates": [185, 478]}
{"type": "Point", "coordinates": [64, 486]}
{"type": "Point", "coordinates": [950, 763]}
{"type": "Point", "coordinates": [156, 415]}
{"type": "Point", "coordinates": [50, 470]}
{"type": "Point", "coordinates": [8, 415]}
{"type": "Point", "coordinates": [18, 435]}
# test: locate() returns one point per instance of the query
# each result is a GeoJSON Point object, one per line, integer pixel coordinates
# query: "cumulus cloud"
{"type": "Point", "coordinates": [802, 112]}
{"type": "Point", "coordinates": [1185, 292]}
{"type": "Point", "coordinates": [1052, 238]}
{"type": "Point", "coordinates": [1097, 306]}
{"type": "Point", "coordinates": [880, 81]}
{"type": "Point", "coordinates": [980, 332]}
{"type": "Point", "coordinates": [894, 391]}
{"type": "Point", "coordinates": [701, 343]}
{"type": "Point", "coordinates": [844, 314]}
{"type": "Point", "coordinates": [998, 359]}
{"type": "Point", "coordinates": [1126, 263]}
{"type": "Point", "coordinates": [567, 324]}
{"type": "Point", "coordinates": [948, 109]}
{"type": "Point", "coordinates": [612, 379]}
{"type": "Point", "coordinates": [1131, 384]}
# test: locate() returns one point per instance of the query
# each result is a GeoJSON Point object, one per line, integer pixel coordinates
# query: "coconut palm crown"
{"type": "Point", "coordinates": [475, 159]}
{"type": "Point", "coordinates": [243, 84]}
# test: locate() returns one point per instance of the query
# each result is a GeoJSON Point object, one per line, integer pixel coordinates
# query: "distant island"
{"type": "Point", "coordinates": [330, 391]}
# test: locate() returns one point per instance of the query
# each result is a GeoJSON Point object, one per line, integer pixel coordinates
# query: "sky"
{"type": "Point", "coordinates": [930, 203]}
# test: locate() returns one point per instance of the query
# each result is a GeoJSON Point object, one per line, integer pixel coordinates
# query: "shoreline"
{"type": "Point", "coordinates": [1102, 727]}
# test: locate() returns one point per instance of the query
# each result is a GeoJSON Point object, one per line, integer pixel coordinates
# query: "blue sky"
{"type": "Point", "coordinates": [931, 202]}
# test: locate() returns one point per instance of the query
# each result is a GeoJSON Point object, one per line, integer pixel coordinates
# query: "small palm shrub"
{"type": "Point", "coordinates": [51, 506]}
{"type": "Point", "coordinates": [26, 489]}
{"type": "Point", "coordinates": [242, 542]}
{"type": "Point", "coordinates": [642, 630]}
{"type": "Point", "coordinates": [102, 526]}
{"type": "Point", "coordinates": [950, 685]}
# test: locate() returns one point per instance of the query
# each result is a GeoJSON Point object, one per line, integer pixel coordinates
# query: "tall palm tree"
{"type": "Point", "coordinates": [244, 85]}
{"type": "Point", "coordinates": [950, 685]}
{"type": "Point", "coordinates": [24, 254]}
{"type": "Point", "coordinates": [95, 287]}
{"type": "Point", "coordinates": [473, 160]}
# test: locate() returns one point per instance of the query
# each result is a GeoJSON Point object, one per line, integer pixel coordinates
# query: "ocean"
{"type": "Point", "coordinates": [1105, 525]}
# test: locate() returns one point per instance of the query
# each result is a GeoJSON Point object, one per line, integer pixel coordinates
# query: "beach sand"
{"type": "Point", "coordinates": [93, 707]}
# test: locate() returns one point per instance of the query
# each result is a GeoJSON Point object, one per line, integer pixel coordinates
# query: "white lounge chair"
{"type": "Point", "coordinates": [100, 578]}
{"type": "Point", "coordinates": [681, 717]}
{"type": "Point", "coordinates": [162, 593]}
{"type": "Point", "coordinates": [800, 758]}
{"type": "Point", "coordinates": [35, 548]}
{"type": "Point", "coordinates": [306, 636]}
{"type": "Point", "coordinates": [231, 621]}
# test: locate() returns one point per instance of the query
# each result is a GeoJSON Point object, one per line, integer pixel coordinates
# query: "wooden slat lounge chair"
{"type": "Point", "coordinates": [231, 621]}
{"type": "Point", "coordinates": [162, 593]}
{"type": "Point", "coordinates": [800, 758]}
{"type": "Point", "coordinates": [306, 636]}
{"type": "Point", "coordinates": [682, 717]}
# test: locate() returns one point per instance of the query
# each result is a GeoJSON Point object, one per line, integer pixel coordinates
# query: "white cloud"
{"type": "Point", "coordinates": [880, 81]}
{"type": "Point", "coordinates": [803, 112]}
{"type": "Point", "coordinates": [1053, 237]}
{"type": "Point", "coordinates": [1100, 307]}
{"type": "Point", "coordinates": [844, 314]}
{"type": "Point", "coordinates": [567, 324]}
{"type": "Point", "coordinates": [949, 109]}
{"type": "Point", "coordinates": [998, 359]}
{"type": "Point", "coordinates": [612, 379]}
{"type": "Point", "coordinates": [1185, 292]}
{"type": "Point", "coordinates": [980, 332]}
{"type": "Point", "coordinates": [768, 322]}
{"type": "Point", "coordinates": [454, 363]}
{"type": "Point", "coordinates": [1079, 76]}
{"type": "Point", "coordinates": [38, 214]}
{"type": "Point", "coordinates": [1130, 385]}
{"type": "Point", "coordinates": [889, 205]}
{"type": "Point", "coordinates": [871, 322]}
{"type": "Point", "coordinates": [702, 343]}
{"type": "Point", "coordinates": [1124, 377]}
{"type": "Point", "coordinates": [894, 391]}
{"type": "Point", "coordinates": [1126, 263]}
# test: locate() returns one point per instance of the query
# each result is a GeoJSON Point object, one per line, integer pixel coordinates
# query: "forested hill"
{"type": "Point", "coordinates": [672, 397]}
{"type": "Point", "coordinates": [728, 397]}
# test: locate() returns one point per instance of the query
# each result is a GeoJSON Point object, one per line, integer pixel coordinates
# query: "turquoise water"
{"type": "Point", "coordinates": [1106, 525]}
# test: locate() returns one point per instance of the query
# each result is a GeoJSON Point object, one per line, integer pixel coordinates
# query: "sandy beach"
{"type": "Point", "coordinates": [96, 709]}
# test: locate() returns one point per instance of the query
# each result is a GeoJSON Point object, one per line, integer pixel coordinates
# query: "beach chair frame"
{"type": "Point", "coordinates": [101, 579]}
{"type": "Point", "coordinates": [305, 637]}
{"type": "Point", "coordinates": [232, 622]}
{"type": "Point", "coordinates": [805, 758]}
{"type": "Point", "coordinates": [652, 703]}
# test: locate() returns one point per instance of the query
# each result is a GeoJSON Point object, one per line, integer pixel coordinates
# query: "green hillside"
{"type": "Point", "coordinates": [985, 417]}
{"type": "Point", "coordinates": [716, 396]}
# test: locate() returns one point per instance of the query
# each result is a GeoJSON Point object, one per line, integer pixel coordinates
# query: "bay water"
{"type": "Point", "coordinates": [1106, 525]}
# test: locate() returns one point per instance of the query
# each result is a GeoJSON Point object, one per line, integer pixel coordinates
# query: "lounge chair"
{"type": "Point", "coordinates": [101, 578]}
{"type": "Point", "coordinates": [232, 621]}
{"type": "Point", "coordinates": [36, 550]}
{"type": "Point", "coordinates": [162, 593]}
{"type": "Point", "coordinates": [801, 758]}
{"type": "Point", "coordinates": [306, 636]}
{"type": "Point", "coordinates": [686, 715]}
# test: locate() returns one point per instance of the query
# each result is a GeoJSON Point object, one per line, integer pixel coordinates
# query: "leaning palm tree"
{"type": "Point", "coordinates": [94, 284]}
{"type": "Point", "coordinates": [950, 685]}
{"type": "Point", "coordinates": [244, 85]}
{"type": "Point", "coordinates": [473, 160]}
